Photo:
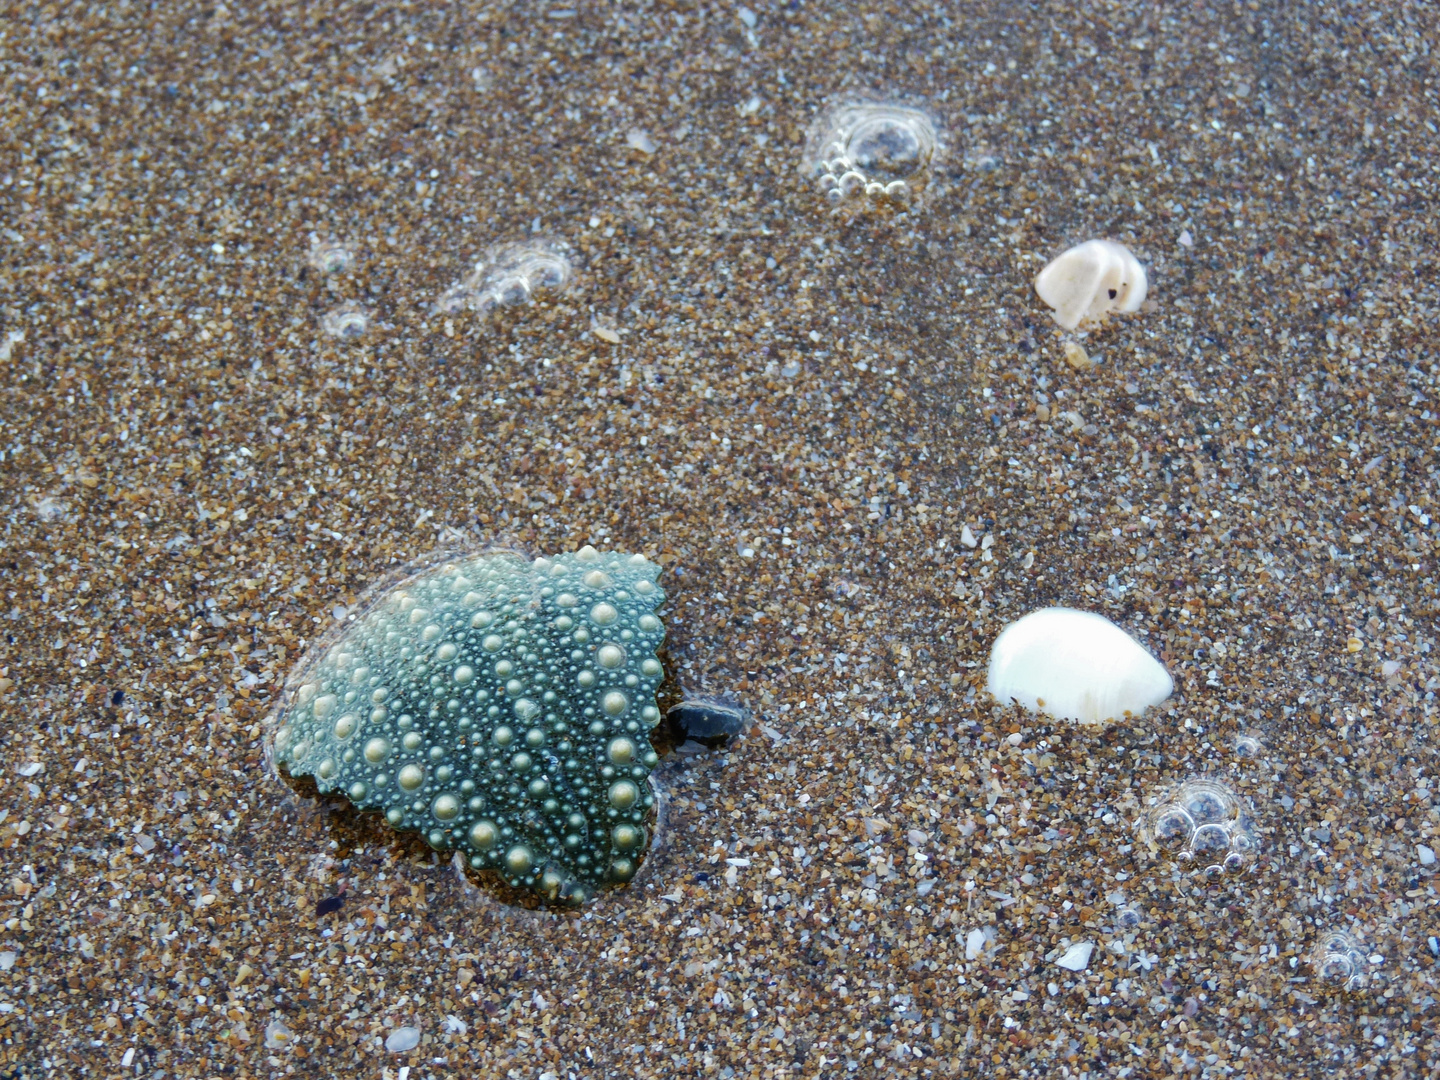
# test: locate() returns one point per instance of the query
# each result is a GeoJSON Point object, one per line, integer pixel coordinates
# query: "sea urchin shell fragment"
{"type": "Point", "coordinates": [500, 707]}
{"type": "Point", "coordinates": [1076, 666]}
{"type": "Point", "coordinates": [1090, 281]}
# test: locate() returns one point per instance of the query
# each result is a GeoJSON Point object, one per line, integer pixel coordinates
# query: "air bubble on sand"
{"type": "Point", "coordinates": [330, 256]}
{"type": "Point", "coordinates": [346, 322]}
{"type": "Point", "coordinates": [50, 508]}
{"type": "Point", "coordinates": [1128, 915]}
{"type": "Point", "coordinates": [1202, 823]}
{"type": "Point", "coordinates": [872, 151]}
{"type": "Point", "coordinates": [1340, 961]}
{"type": "Point", "coordinates": [1248, 744]}
{"type": "Point", "coordinates": [510, 275]}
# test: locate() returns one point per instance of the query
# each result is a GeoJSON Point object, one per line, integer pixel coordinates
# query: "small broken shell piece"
{"type": "Point", "coordinates": [1091, 281]}
{"type": "Point", "coordinates": [1077, 357]}
{"type": "Point", "coordinates": [1075, 665]}
{"type": "Point", "coordinates": [1077, 956]}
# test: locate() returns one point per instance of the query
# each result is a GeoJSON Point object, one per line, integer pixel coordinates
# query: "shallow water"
{"type": "Point", "coordinates": [850, 436]}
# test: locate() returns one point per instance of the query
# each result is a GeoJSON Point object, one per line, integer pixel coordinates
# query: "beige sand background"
{"type": "Point", "coordinates": [197, 483]}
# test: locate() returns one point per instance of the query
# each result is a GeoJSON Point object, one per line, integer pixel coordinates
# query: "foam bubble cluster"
{"type": "Point", "coordinates": [871, 150]}
{"type": "Point", "coordinates": [1203, 823]}
{"type": "Point", "coordinates": [1340, 961]}
{"type": "Point", "coordinates": [510, 275]}
{"type": "Point", "coordinates": [346, 322]}
{"type": "Point", "coordinates": [500, 707]}
{"type": "Point", "coordinates": [330, 256]}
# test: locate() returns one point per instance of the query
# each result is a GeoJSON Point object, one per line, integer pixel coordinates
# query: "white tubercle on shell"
{"type": "Point", "coordinates": [1090, 281]}
{"type": "Point", "coordinates": [1076, 666]}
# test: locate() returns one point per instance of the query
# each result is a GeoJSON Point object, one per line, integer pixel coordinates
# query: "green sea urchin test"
{"type": "Point", "coordinates": [500, 707]}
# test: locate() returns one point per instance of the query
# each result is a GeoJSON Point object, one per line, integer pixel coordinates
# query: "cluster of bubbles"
{"type": "Point", "coordinates": [330, 256]}
{"type": "Point", "coordinates": [349, 320]}
{"type": "Point", "coordinates": [1340, 961]}
{"type": "Point", "coordinates": [1203, 823]}
{"type": "Point", "coordinates": [510, 275]}
{"type": "Point", "coordinates": [501, 708]}
{"type": "Point", "coordinates": [878, 151]}
{"type": "Point", "coordinates": [1206, 825]}
{"type": "Point", "coordinates": [346, 322]}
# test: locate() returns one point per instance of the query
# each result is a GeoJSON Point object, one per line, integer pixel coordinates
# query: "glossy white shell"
{"type": "Point", "coordinates": [1076, 666]}
{"type": "Point", "coordinates": [1090, 281]}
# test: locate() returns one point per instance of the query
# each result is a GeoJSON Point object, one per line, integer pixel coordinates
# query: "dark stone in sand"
{"type": "Point", "coordinates": [709, 716]}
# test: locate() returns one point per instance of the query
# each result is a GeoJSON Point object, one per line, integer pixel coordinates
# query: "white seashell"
{"type": "Point", "coordinates": [1092, 280]}
{"type": "Point", "coordinates": [402, 1040]}
{"type": "Point", "coordinates": [639, 139]}
{"type": "Point", "coordinates": [1076, 666]}
{"type": "Point", "coordinates": [1077, 956]}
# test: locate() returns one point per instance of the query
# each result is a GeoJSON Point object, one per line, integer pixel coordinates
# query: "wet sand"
{"type": "Point", "coordinates": [797, 413]}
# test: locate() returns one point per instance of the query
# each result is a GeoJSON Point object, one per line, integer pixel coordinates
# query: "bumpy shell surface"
{"type": "Point", "coordinates": [500, 707]}
{"type": "Point", "coordinates": [1075, 665]}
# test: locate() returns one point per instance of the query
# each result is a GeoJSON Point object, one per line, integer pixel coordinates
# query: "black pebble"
{"type": "Point", "coordinates": [329, 905]}
{"type": "Point", "coordinates": [117, 697]}
{"type": "Point", "coordinates": [708, 716]}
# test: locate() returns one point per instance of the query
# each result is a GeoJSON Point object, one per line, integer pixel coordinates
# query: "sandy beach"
{"type": "Point", "coordinates": [234, 403]}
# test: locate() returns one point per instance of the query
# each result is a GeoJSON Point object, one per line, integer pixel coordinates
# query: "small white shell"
{"type": "Point", "coordinates": [1076, 666]}
{"type": "Point", "coordinates": [1077, 956]}
{"type": "Point", "coordinates": [974, 944]}
{"type": "Point", "coordinates": [1092, 280]}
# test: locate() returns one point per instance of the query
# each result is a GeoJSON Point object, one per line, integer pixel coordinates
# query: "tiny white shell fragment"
{"type": "Point", "coordinates": [639, 139]}
{"type": "Point", "coordinates": [974, 944]}
{"type": "Point", "coordinates": [1090, 281]}
{"type": "Point", "coordinates": [402, 1039]}
{"type": "Point", "coordinates": [1077, 956]}
{"type": "Point", "coordinates": [1074, 665]}
{"type": "Point", "coordinates": [453, 1025]}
